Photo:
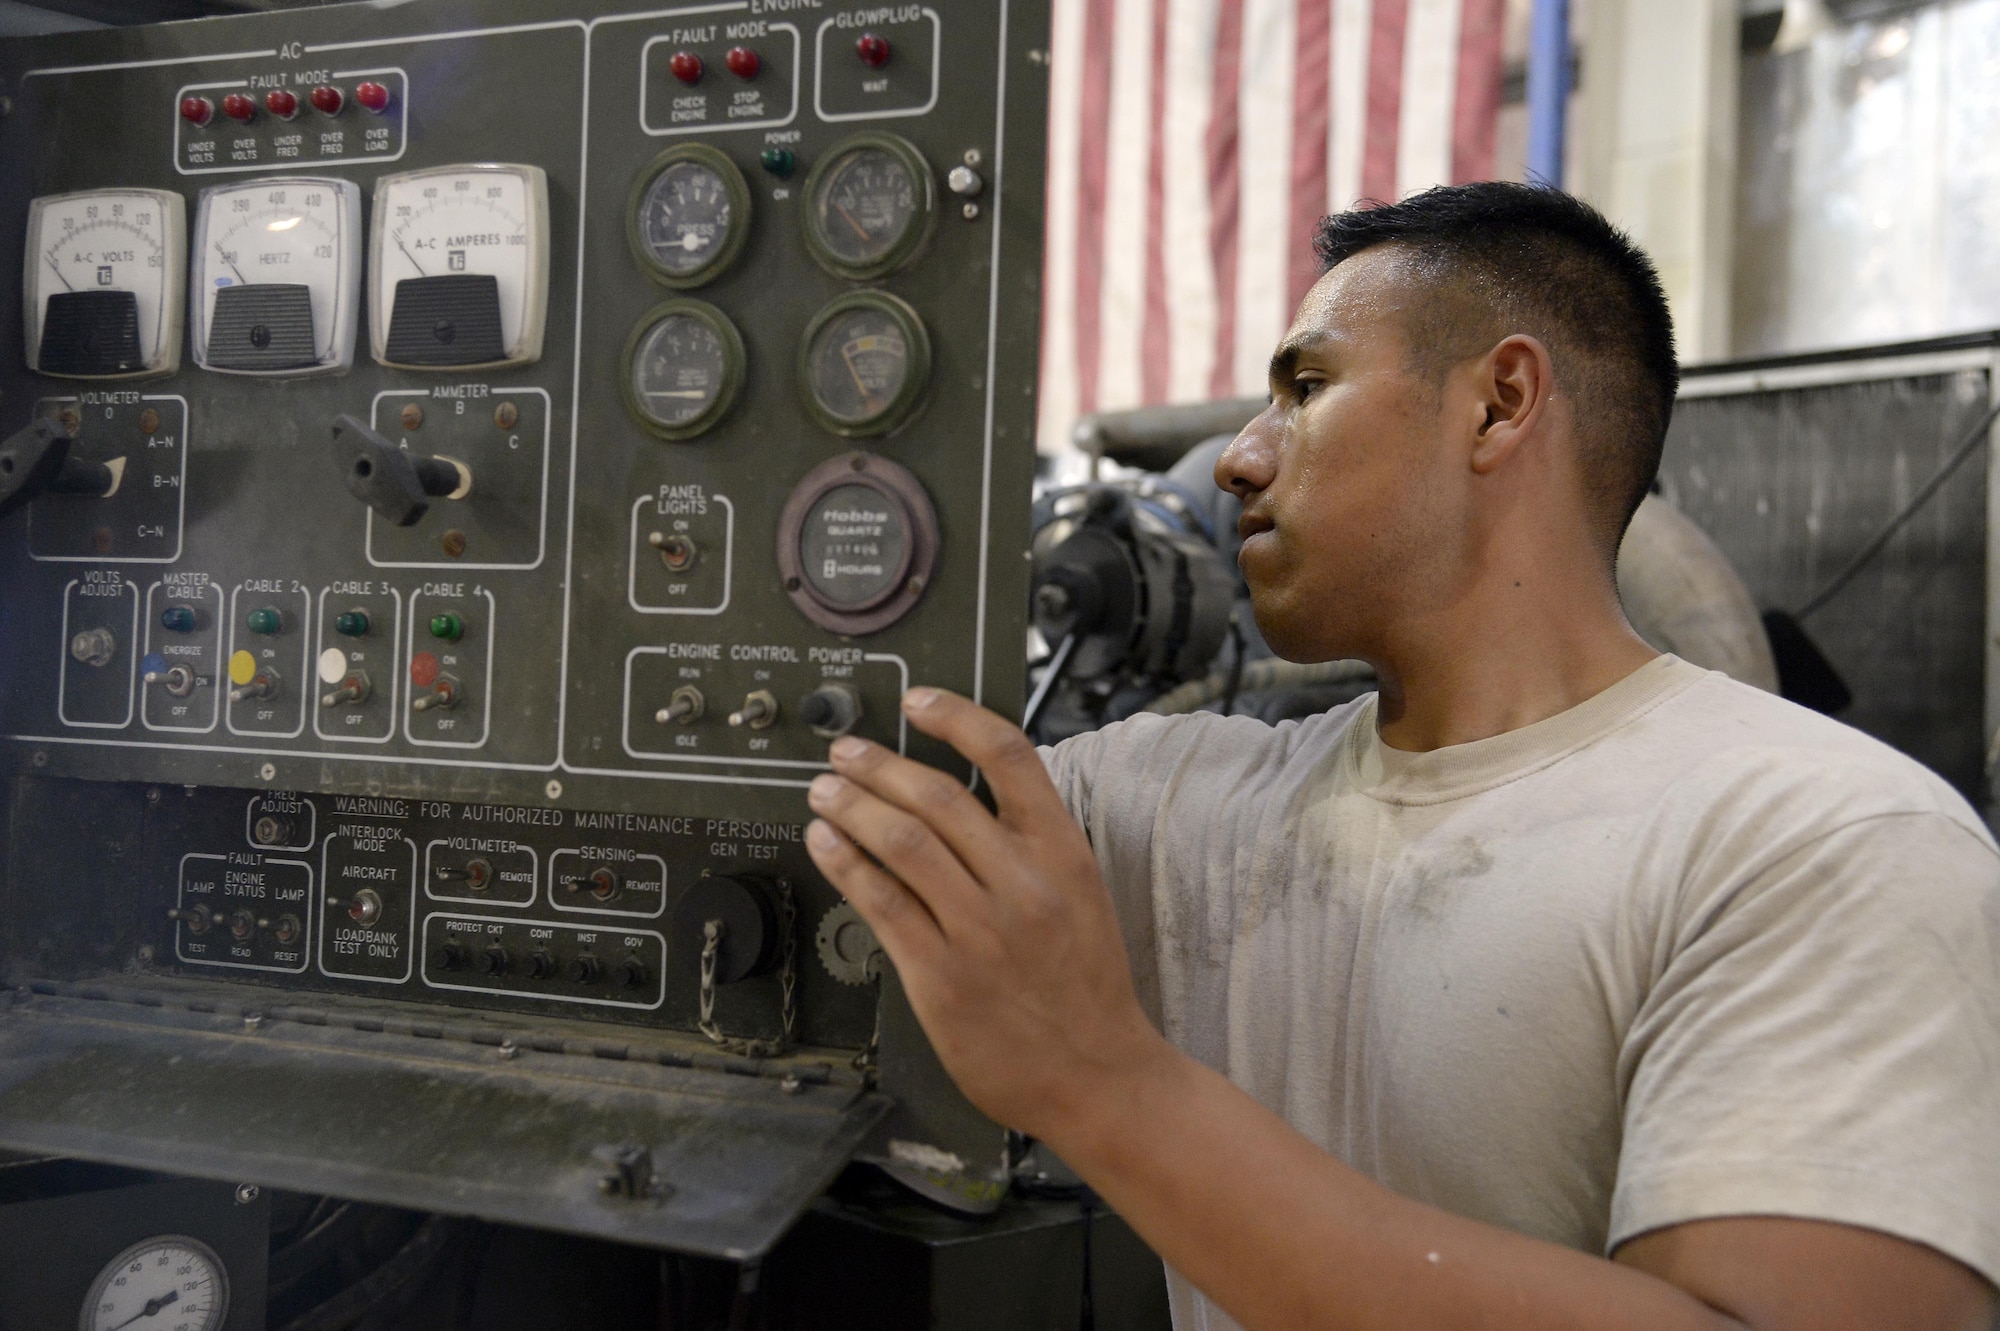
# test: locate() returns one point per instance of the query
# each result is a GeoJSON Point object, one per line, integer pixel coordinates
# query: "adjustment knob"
{"type": "Point", "coordinates": [541, 965]}
{"type": "Point", "coordinates": [447, 956]}
{"type": "Point", "coordinates": [631, 973]}
{"type": "Point", "coordinates": [272, 829]}
{"type": "Point", "coordinates": [493, 961]}
{"type": "Point", "coordinates": [831, 710]}
{"type": "Point", "coordinates": [93, 647]}
{"type": "Point", "coordinates": [582, 969]}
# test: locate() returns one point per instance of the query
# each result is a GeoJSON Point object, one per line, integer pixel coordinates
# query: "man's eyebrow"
{"type": "Point", "coordinates": [1285, 360]}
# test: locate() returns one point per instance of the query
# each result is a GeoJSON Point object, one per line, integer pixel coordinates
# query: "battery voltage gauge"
{"type": "Point", "coordinates": [459, 269]}
{"type": "Point", "coordinates": [102, 281]}
{"type": "Point", "coordinates": [276, 277]}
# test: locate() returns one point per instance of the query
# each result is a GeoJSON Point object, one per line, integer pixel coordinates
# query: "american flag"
{"type": "Point", "coordinates": [1192, 146]}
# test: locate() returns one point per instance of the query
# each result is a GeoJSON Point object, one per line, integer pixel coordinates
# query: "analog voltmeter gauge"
{"type": "Point", "coordinates": [857, 543]}
{"type": "Point", "coordinates": [869, 206]}
{"type": "Point", "coordinates": [168, 1283]}
{"type": "Point", "coordinates": [864, 363]}
{"type": "Point", "coordinates": [276, 276]}
{"type": "Point", "coordinates": [688, 216]}
{"type": "Point", "coordinates": [683, 368]}
{"type": "Point", "coordinates": [459, 267]}
{"type": "Point", "coordinates": [102, 283]}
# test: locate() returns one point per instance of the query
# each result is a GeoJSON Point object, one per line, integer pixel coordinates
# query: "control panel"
{"type": "Point", "coordinates": [459, 468]}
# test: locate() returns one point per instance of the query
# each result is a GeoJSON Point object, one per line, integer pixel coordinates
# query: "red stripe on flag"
{"type": "Point", "coordinates": [1476, 106]}
{"type": "Point", "coordinates": [1385, 100]}
{"type": "Point", "coordinates": [1310, 118]}
{"type": "Point", "coordinates": [1099, 19]}
{"type": "Point", "coordinates": [1224, 200]}
{"type": "Point", "coordinates": [1156, 339]}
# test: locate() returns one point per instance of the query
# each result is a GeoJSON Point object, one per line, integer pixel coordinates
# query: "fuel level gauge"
{"type": "Point", "coordinates": [683, 368]}
{"type": "Point", "coordinates": [864, 364]}
{"type": "Point", "coordinates": [276, 279]}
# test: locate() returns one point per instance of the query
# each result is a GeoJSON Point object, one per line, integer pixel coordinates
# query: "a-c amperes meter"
{"type": "Point", "coordinates": [459, 267]}
{"type": "Point", "coordinates": [276, 276]}
{"type": "Point", "coordinates": [102, 286]}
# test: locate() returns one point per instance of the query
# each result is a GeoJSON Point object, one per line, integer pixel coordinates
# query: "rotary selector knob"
{"type": "Point", "coordinates": [847, 946]}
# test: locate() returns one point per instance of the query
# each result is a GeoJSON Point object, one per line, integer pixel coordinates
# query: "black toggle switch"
{"type": "Point", "coordinates": [393, 481]}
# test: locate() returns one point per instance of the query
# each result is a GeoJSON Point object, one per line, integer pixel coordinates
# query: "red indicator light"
{"type": "Point", "coordinates": [196, 110]}
{"type": "Point", "coordinates": [687, 66]}
{"type": "Point", "coordinates": [743, 62]}
{"type": "Point", "coordinates": [284, 105]}
{"type": "Point", "coordinates": [237, 106]}
{"type": "Point", "coordinates": [327, 100]}
{"type": "Point", "coordinates": [873, 50]}
{"type": "Point", "coordinates": [374, 97]}
{"type": "Point", "coordinates": [423, 669]}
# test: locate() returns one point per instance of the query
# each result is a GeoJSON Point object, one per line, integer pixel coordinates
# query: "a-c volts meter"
{"type": "Point", "coordinates": [276, 276]}
{"type": "Point", "coordinates": [102, 286]}
{"type": "Point", "coordinates": [459, 267]}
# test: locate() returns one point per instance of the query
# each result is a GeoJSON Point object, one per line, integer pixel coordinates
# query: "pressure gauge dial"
{"type": "Point", "coordinates": [167, 1283]}
{"type": "Point", "coordinates": [460, 267]}
{"type": "Point", "coordinates": [102, 286]}
{"type": "Point", "coordinates": [683, 368]}
{"type": "Point", "coordinates": [276, 278]}
{"type": "Point", "coordinates": [864, 364]}
{"type": "Point", "coordinates": [688, 216]}
{"type": "Point", "coordinates": [870, 204]}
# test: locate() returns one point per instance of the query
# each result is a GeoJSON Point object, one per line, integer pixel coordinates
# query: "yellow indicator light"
{"type": "Point", "coordinates": [242, 668]}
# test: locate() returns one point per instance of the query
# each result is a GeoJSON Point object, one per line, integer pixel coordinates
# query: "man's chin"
{"type": "Point", "coordinates": [1294, 634]}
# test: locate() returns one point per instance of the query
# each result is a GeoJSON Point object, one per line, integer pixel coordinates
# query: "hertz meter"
{"type": "Point", "coordinates": [460, 267]}
{"type": "Point", "coordinates": [103, 283]}
{"type": "Point", "coordinates": [276, 276]}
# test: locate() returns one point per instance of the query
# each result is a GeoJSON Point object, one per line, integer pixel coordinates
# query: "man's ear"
{"type": "Point", "coordinates": [1512, 386]}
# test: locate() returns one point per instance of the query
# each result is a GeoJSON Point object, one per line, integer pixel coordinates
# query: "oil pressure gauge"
{"type": "Point", "coordinates": [460, 267]}
{"type": "Point", "coordinates": [683, 368]}
{"type": "Point", "coordinates": [103, 278]}
{"type": "Point", "coordinates": [167, 1283]}
{"type": "Point", "coordinates": [864, 364]}
{"type": "Point", "coordinates": [870, 204]}
{"type": "Point", "coordinates": [276, 277]}
{"type": "Point", "coordinates": [688, 216]}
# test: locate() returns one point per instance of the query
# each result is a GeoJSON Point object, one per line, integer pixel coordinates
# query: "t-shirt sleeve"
{"type": "Point", "coordinates": [1824, 1043]}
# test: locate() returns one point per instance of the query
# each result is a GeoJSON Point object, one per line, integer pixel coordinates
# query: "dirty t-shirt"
{"type": "Point", "coordinates": [1682, 951]}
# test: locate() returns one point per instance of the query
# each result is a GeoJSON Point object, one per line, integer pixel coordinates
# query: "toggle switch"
{"type": "Point", "coordinates": [677, 552]}
{"type": "Point", "coordinates": [179, 681]}
{"type": "Point", "coordinates": [684, 705]}
{"type": "Point", "coordinates": [476, 874]}
{"type": "Point", "coordinates": [442, 696]}
{"type": "Point", "coordinates": [395, 482]}
{"type": "Point", "coordinates": [288, 930]}
{"type": "Point", "coordinates": [196, 920]}
{"type": "Point", "coordinates": [759, 711]}
{"type": "Point", "coordinates": [351, 691]}
{"type": "Point", "coordinates": [250, 679]}
{"type": "Point", "coordinates": [364, 907]}
{"type": "Point", "coordinates": [602, 883]}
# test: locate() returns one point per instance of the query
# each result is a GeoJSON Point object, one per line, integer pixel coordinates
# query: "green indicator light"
{"type": "Point", "coordinates": [264, 620]}
{"type": "Point", "coordinates": [448, 627]}
{"type": "Point", "coordinates": [351, 624]}
{"type": "Point", "coordinates": [778, 161]}
{"type": "Point", "coordinates": [177, 619]}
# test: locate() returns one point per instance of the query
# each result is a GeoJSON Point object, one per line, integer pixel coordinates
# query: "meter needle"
{"type": "Point", "coordinates": [51, 257]}
{"type": "Point", "coordinates": [411, 257]}
{"type": "Point", "coordinates": [224, 254]}
{"type": "Point", "coordinates": [859, 229]}
{"type": "Point", "coordinates": [151, 1309]}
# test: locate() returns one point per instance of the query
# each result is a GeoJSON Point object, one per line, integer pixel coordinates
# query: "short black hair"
{"type": "Point", "coordinates": [1500, 258]}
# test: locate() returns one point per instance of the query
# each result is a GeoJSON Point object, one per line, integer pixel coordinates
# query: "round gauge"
{"type": "Point", "coordinates": [864, 364]}
{"type": "Point", "coordinates": [167, 1283]}
{"type": "Point", "coordinates": [103, 283]}
{"type": "Point", "coordinates": [857, 543]}
{"type": "Point", "coordinates": [869, 206]}
{"type": "Point", "coordinates": [276, 277]}
{"type": "Point", "coordinates": [689, 215]}
{"type": "Point", "coordinates": [460, 267]}
{"type": "Point", "coordinates": [683, 368]}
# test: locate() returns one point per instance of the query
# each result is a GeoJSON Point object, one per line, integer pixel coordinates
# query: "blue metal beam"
{"type": "Point", "coordinates": [1548, 90]}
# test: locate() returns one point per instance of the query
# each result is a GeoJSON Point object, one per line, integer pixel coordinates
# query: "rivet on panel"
{"type": "Point", "coordinates": [506, 415]}
{"type": "Point", "coordinates": [413, 415]}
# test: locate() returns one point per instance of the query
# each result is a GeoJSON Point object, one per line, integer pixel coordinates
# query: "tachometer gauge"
{"type": "Point", "coordinates": [168, 1283]}
{"type": "Point", "coordinates": [102, 286]}
{"type": "Point", "coordinates": [683, 368]}
{"type": "Point", "coordinates": [870, 203]}
{"type": "Point", "coordinates": [276, 276]}
{"type": "Point", "coordinates": [689, 214]}
{"type": "Point", "coordinates": [460, 267]}
{"type": "Point", "coordinates": [864, 364]}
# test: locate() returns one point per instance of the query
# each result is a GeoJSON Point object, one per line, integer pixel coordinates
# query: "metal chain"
{"type": "Point", "coordinates": [788, 982]}
{"type": "Point", "coordinates": [865, 1060]}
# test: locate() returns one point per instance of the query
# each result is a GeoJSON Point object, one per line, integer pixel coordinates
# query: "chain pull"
{"type": "Point", "coordinates": [788, 982]}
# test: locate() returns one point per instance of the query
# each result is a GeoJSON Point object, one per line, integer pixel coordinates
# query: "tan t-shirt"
{"type": "Point", "coordinates": [1685, 950]}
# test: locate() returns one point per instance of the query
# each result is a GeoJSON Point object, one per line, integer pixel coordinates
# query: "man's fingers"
{"type": "Point", "coordinates": [941, 801]}
{"type": "Point", "coordinates": [996, 746]}
{"type": "Point", "coordinates": [904, 843]}
{"type": "Point", "coordinates": [897, 915]}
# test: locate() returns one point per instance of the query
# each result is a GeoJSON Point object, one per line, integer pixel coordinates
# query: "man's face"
{"type": "Point", "coordinates": [1354, 500]}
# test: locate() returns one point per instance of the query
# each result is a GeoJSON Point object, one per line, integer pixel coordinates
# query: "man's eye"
{"type": "Point", "coordinates": [1304, 388]}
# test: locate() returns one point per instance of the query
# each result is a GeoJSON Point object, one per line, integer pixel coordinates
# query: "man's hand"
{"type": "Point", "coordinates": [1000, 928]}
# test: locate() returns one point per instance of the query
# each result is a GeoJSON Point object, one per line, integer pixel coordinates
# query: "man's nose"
{"type": "Point", "coordinates": [1250, 463]}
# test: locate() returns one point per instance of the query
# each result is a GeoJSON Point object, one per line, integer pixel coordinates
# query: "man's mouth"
{"type": "Point", "coordinates": [1251, 524]}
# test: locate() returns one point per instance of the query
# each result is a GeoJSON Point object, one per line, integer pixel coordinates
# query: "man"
{"type": "Point", "coordinates": [1561, 985]}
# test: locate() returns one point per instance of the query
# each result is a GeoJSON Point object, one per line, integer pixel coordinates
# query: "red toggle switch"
{"type": "Point", "coordinates": [284, 105]}
{"type": "Point", "coordinates": [743, 62]}
{"type": "Point", "coordinates": [374, 97]}
{"type": "Point", "coordinates": [686, 66]}
{"type": "Point", "coordinates": [196, 110]}
{"type": "Point", "coordinates": [327, 100]}
{"type": "Point", "coordinates": [873, 50]}
{"type": "Point", "coordinates": [237, 106]}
